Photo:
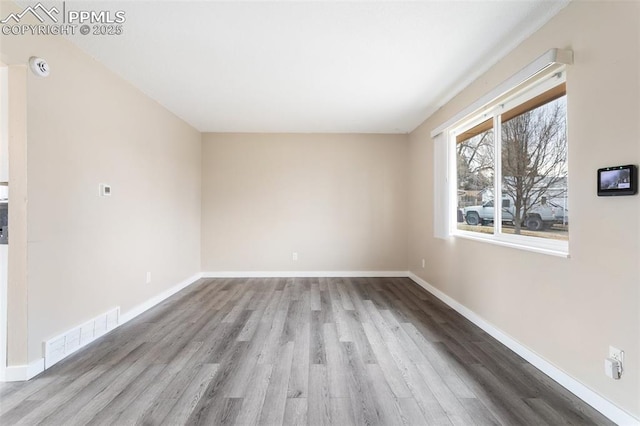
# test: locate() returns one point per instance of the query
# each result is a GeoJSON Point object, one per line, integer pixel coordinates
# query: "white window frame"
{"type": "Point", "coordinates": [504, 98]}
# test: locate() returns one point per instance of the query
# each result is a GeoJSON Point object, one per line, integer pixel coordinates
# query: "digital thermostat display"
{"type": "Point", "coordinates": [618, 180]}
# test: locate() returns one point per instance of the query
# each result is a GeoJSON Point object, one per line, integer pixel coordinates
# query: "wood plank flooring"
{"type": "Point", "coordinates": [295, 351]}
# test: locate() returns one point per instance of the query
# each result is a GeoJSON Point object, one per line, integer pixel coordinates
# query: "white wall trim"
{"type": "Point", "coordinates": [604, 406]}
{"type": "Point", "coordinates": [21, 373]}
{"type": "Point", "coordinates": [4, 251]}
{"type": "Point", "coordinates": [145, 306]}
{"type": "Point", "coordinates": [303, 274]}
{"type": "Point", "coordinates": [34, 368]}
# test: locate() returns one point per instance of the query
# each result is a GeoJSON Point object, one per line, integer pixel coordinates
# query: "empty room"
{"type": "Point", "coordinates": [283, 212]}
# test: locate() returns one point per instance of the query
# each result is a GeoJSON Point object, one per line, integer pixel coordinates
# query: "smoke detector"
{"type": "Point", "coordinates": [39, 66]}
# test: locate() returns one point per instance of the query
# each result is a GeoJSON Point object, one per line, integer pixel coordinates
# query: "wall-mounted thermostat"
{"type": "Point", "coordinates": [105, 190]}
{"type": "Point", "coordinates": [618, 180]}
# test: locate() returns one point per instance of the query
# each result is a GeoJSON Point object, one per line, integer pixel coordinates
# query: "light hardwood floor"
{"type": "Point", "coordinates": [295, 351]}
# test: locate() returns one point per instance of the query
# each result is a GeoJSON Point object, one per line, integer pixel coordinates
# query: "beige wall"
{"type": "Point", "coordinates": [339, 201]}
{"type": "Point", "coordinates": [17, 292]}
{"type": "Point", "coordinates": [342, 202]}
{"type": "Point", "coordinates": [567, 310]}
{"type": "Point", "coordinates": [87, 254]}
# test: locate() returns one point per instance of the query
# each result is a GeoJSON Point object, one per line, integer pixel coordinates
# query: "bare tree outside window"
{"type": "Point", "coordinates": [534, 163]}
{"type": "Point", "coordinates": [533, 173]}
{"type": "Point", "coordinates": [475, 163]}
{"type": "Point", "coordinates": [475, 170]}
{"type": "Point", "coordinates": [511, 165]}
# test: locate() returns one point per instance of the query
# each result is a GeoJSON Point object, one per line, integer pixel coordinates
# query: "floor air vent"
{"type": "Point", "coordinates": [67, 343]}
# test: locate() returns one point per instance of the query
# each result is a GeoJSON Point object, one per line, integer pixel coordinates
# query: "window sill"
{"type": "Point", "coordinates": [551, 248]}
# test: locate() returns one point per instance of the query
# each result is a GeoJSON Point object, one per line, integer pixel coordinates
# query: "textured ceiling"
{"type": "Point", "coordinates": [371, 67]}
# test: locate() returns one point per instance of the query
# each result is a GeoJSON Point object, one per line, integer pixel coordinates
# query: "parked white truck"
{"type": "Point", "coordinates": [541, 216]}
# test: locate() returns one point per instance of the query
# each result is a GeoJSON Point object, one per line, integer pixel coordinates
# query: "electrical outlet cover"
{"type": "Point", "coordinates": [616, 353]}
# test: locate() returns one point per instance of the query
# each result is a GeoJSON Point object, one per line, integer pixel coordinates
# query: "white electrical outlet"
{"type": "Point", "coordinates": [617, 354]}
{"type": "Point", "coordinates": [422, 263]}
{"type": "Point", "coordinates": [148, 277]}
{"type": "Point", "coordinates": [612, 368]}
{"type": "Point", "coordinates": [613, 365]}
{"type": "Point", "coordinates": [294, 256]}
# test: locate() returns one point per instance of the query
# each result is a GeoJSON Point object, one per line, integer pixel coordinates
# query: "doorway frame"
{"type": "Point", "coordinates": [4, 250]}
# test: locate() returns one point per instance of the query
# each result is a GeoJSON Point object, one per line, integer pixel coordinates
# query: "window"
{"type": "Point", "coordinates": [515, 148]}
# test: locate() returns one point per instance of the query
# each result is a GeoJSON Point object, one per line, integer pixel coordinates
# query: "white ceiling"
{"type": "Point", "coordinates": [370, 67]}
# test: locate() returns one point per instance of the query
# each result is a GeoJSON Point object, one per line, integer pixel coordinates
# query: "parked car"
{"type": "Point", "coordinates": [538, 218]}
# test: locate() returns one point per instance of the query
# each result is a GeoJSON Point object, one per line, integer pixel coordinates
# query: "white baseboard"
{"type": "Point", "coordinates": [21, 373]}
{"type": "Point", "coordinates": [63, 345]}
{"type": "Point", "coordinates": [131, 314]}
{"type": "Point", "coordinates": [303, 274]}
{"type": "Point", "coordinates": [604, 406]}
{"type": "Point", "coordinates": [35, 368]}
